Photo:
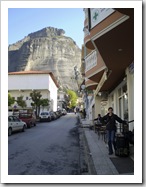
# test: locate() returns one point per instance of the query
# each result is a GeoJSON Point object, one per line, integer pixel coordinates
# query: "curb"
{"type": "Point", "coordinates": [86, 161]}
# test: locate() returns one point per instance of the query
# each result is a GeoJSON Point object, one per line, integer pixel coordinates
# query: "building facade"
{"type": "Point", "coordinates": [24, 82]}
{"type": "Point", "coordinates": [108, 61]}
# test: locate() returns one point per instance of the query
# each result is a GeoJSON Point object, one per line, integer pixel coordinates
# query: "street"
{"type": "Point", "coordinates": [50, 148]}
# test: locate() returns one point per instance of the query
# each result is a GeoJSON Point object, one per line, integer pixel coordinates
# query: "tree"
{"type": "Point", "coordinates": [72, 98]}
{"type": "Point", "coordinates": [44, 102]}
{"type": "Point", "coordinates": [11, 100]}
{"type": "Point", "coordinates": [36, 98]}
{"type": "Point", "coordinates": [21, 102]}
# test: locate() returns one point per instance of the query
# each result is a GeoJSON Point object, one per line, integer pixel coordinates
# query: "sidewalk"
{"type": "Point", "coordinates": [104, 164]}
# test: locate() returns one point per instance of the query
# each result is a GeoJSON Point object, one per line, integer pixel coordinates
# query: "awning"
{"type": "Point", "coordinates": [91, 85]}
{"type": "Point", "coordinates": [126, 11]}
{"type": "Point", "coordinates": [101, 83]}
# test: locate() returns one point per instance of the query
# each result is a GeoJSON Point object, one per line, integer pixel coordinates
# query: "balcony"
{"type": "Point", "coordinates": [90, 85]}
{"type": "Point", "coordinates": [102, 26]}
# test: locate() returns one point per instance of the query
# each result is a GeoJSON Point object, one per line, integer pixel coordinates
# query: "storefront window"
{"type": "Point", "coordinates": [103, 108]}
{"type": "Point", "coordinates": [123, 102]}
{"type": "Point", "coordinates": [120, 106]}
{"type": "Point", "coordinates": [125, 107]}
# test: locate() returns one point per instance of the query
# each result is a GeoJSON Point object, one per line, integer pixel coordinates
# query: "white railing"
{"type": "Point", "coordinates": [90, 60]}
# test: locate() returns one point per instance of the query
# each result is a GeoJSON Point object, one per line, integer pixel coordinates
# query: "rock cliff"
{"type": "Point", "coordinates": [47, 49]}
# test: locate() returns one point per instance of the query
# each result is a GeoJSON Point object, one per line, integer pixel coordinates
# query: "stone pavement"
{"type": "Point", "coordinates": [98, 151]}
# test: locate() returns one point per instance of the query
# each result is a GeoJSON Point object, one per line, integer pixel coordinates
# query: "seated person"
{"type": "Point", "coordinates": [99, 119]}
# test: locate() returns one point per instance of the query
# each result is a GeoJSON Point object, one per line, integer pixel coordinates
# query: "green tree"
{"type": "Point", "coordinates": [21, 102]}
{"type": "Point", "coordinates": [44, 102]}
{"type": "Point", "coordinates": [36, 98]}
{"type": "Point", "coordinates": [72, 98]}
{"type": "Point", "coordinates": [11, 100]}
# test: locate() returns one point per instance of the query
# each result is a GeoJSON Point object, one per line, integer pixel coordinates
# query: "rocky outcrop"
{"type": "Point", "coordinates": [47, 49]}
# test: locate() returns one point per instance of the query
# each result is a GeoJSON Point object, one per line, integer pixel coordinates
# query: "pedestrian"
{"type": "Point", "coordinates": [84, 113]}
{"type": "Point", "coordinates": [99, 119]}
{"type": "Point", "coordinates": [75, 110]}
{"type": "Point", "coordinates": [110, 120]}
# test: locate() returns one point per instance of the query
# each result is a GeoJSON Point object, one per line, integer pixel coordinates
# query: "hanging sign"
{"type": "Point", "coordinates": [99, 14]}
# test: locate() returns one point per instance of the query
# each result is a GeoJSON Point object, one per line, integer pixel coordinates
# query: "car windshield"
{"type": "Point", "coordinates": [25, 115]}
{"type": "Point", "coordinates": [44, 113]}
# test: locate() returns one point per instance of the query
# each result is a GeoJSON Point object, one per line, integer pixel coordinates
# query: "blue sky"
{"type": "Point", "coordinates": [23, 21]}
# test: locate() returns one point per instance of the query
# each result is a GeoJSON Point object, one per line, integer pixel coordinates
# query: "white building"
{"type": "Point", "coordinates": [24, 82]}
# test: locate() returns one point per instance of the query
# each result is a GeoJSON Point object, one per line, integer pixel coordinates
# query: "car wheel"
{"type": "Point", "coordinates": [29, 126]}
{"type": "Point", "coordinates": [9, 131]}
{"type": "Point", "coordinates": [23, 129]}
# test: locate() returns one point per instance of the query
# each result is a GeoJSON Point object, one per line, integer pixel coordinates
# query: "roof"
{"type": "Point", "coordinates": [35, 72]}
{"type": "Point", "coordinates": [29, 72]}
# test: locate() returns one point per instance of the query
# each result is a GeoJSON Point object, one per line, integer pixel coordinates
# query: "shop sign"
{"type": "Point", "coordinates": [99, 14]}
{"type": "Point", "coordinates": [90, 61]}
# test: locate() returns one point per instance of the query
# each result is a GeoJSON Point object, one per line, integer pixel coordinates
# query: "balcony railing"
{"type": "Point", "coordinates": [90, 61]}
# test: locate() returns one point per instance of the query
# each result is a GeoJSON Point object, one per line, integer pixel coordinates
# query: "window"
{"type": "Point", "coordinates": [10, 118]}
{"type": "Point", "coordinates": [15, 118]}
{"type": "Point", "coordinates": [123, 102]}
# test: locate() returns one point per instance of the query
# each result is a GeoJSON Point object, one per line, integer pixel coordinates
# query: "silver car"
{"type": "Point", "coordinates": [15, 124]}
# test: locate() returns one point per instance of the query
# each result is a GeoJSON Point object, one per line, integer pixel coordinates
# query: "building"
{"type": "Point", "coordinates": [62, 100]}
{"type": "Point", "coordinates": [108, 61]}
{"type": "Point", "coordinates": [24, 82]}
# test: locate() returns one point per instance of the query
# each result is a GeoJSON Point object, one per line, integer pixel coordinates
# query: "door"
{"type": "Point", "coordinates": [17, 122]}
{"type": "Point", "coordinates": [12, 123]}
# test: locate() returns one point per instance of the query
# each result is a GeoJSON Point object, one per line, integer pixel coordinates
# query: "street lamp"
{"type": "Point", "coordinates": [83, 87]}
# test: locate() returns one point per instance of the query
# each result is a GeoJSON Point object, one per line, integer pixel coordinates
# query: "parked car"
{"type": "Point", "coordinates": [57, 114]}
{"type": "Point", "coordinates": [15, 124]}
{"type": "Point", "coordinates": [53, 116]}
{"type": "Point", "coordinates": [45, 116]}
{"type": "Point", "coordinates": [64, 112]}
{"type": "Point", "coordinates": [28, 118]}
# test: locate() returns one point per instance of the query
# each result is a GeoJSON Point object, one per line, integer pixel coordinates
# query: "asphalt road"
{"type": "Point", "coordinates": [50, 148]}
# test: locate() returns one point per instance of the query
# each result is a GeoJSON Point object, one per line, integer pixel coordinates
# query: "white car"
{"type": "Point", "coordinates": [64, 112]}
{"type": "Point", "coordinates": [15, 124]}
{"type": "Point", "coordinates": [45, 116]}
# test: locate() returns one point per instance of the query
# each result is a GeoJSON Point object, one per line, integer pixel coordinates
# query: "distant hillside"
{"type": "Point", "coordinates": [47, 49]}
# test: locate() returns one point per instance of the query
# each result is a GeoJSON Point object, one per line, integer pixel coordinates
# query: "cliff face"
{"type": "Point", "coordinates": [47, 49]}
